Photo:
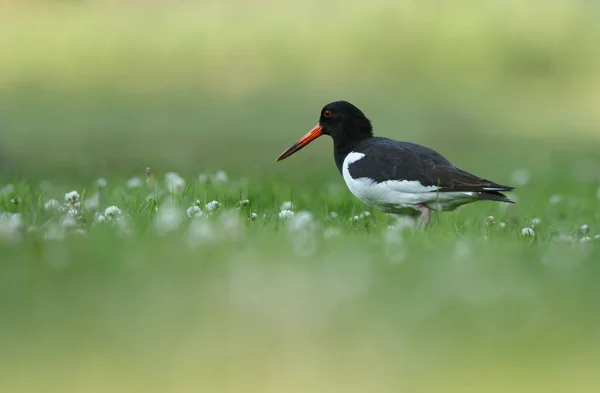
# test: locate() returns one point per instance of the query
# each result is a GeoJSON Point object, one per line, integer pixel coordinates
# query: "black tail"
{"type": "Point", "coordinates": [494, 196]}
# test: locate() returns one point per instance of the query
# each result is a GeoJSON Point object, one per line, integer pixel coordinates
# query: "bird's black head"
{"type": "Point", "coordinates": [341, 120]}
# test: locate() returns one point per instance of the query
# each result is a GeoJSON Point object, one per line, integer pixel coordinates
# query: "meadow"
{"type": "Point", "coordinates": [217, 269]}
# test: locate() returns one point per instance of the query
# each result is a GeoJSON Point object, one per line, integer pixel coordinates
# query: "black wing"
{"type": "Point", "coordinates": [386, 159]}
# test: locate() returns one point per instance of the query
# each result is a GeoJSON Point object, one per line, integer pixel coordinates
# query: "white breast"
{"type": "Point", "coordinates": [395, 195]}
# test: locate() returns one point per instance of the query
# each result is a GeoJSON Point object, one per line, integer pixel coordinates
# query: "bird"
{"type": "Point", "coordinates": [401, 178]}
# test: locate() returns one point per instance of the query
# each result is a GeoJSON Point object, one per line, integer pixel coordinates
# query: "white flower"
{"type": "Point", "coordinates": [556, 199]}
{"type": "Point", "coordinates": [287, 205]}
{"type": "Point", "coordinates": [99, 218]}
{"type": "Point", "coordinates": [174, 183]}
{"type": "Point", "coordinates": [354, 219]}
{"type": "Point", "coordinates": [585, 228]}
{"type": "Point", "coordinates": [528, 232]}
{"type": "Point", "coordinates": [72, 197]}
{"type": "Point", "coordinates": [10, 227]}
{"type": "Point", "coordinates": [68, 222]}
{"type": "Point", "coordinates": [200, 231]}
{"type": "Point", "coordinates": [520, 177]}
{"type": "Point", "coordinates": [72, 212]}
{"type": "Point", "coordinates": [365, 214]}
{"type": "Point", "coordinates": [202, 178]}
{"type": "Point", "coordinates": [253, 216]}
{"type": "Point", "coordinates": [597, 237]}
{"type": "Point", "coordinates": [15, 200]}
{"type": "Point", "coordinates": [490, 220]}
{"type": "Point", "coordinates": [332, 232]}
{"type": "Point", "coordinates": [101, 183]}
{"type": "Point", "coordinates": [286, 214]}
{"type": "Point", "coordinates": [301, 220]}
{"type": "Point", "coordinates": [220, 177]}
{"type": "Point", "coordinates": [502, 225]}
{"type": "Point", "coordinates": [333, 215]}
{"type": "Point", "coordinates": [92, 203]}
{"type": "Point", "coordinates": [134, 182]}
{"type": "Point", "coordinates": [244, 202]}
{"type": "Point", "coordinates": [167, 219]}
{"type": "Point", "coordinates": [212, 206]}
{"type": "Point", "coordinates": [584, 239]}
{"type": "Point", "coordinates": [404, 222]}
{"type": "Point", "coordinates": [112, 213]}
{"type": "Point", "coordinates": [194, 211]}
{"type": "Point", "coordinates": [535, 221]}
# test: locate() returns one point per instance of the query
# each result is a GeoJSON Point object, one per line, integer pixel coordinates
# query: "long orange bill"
{"type": "Point", "coordinates": [313, 134]}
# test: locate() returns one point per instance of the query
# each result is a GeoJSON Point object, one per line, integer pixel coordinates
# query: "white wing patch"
{"type": "Point", "coordinates": [394, 195]}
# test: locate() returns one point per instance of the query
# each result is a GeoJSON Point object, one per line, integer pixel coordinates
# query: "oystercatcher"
{"type": "Point", "coordinates": [392, 176]}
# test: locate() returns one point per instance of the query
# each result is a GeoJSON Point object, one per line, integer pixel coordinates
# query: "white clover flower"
{"type": "Point", "coordinates": [244, 202]}
{"type": "Point", "coordinates": [528, 232]}
{"type": "Point", "coordinates": [92, 203]}
{"type": "Point", "coordinates": [502, 225]}
{"type": "Point", "coordinates": [10, 227]}
{"type": "Point", "coordinates": [202, 178]}
{"type": "Point", "coordinates": [112, 213]}
{"type": "Point", "coordinates": [520, 177]}
{"type": "Point", "coordinates": [199, 232]}
{"type": "Point", "coordinates": [15, 200]}
{"type": "Point", "coordinates": [365, 214]}
{"type": "Point", "coordinates": [332, 232]}
{"type": "Point", "coordinates": [333, 215]}
{"type": "Point", "coordinates": [286, 214]}
{"type": "Point", "coordinates": [301, 220]}
{"type": "Point", "coordinates": [585, 228]}
{"type": "Point", "coordinates": [584, 239]}
{"type": "Point", "coordinates": [404, 222]}
{"type": "Point", "coordinates": [99, 218]}
{"type": "Point", "coordinates": [134, 182]}
{"type": "Point", "coordinates": [287, 205]}
{"type": "Point", "coordinates": [535, 221]}
{"type": "Point", "coordinates": [167, 219]}
{"type": "Point", "coordinates": [68, 222]}
{"type": "Point", "coordinates": [101, 183]}
{"type": "Point", "coordinates": [194, 211]}
{"type": "Point", "coordinates": [253, 216]}
{"type": "Point", "coordinates": [597, 237]}
{"type": "Point", "coordinates": [490, 221]}
{"type": "Point", "coordinates": [556, 199]}
{"type": "Point", "coordinates": [123, 225]}
{"type": "Point", "coordinates": [231, 223]}
{"type": "Point", "coordinates": [354, 219]}
{"type": "Point", "coordinates": [174, 183]}
{"type": "Point", "coordinates": [212, 206]}
{"type": "Point", "coordinates": [221, 177]}
{"type": "Point", "coordinates": [72, 197]}
{"type": "Point", "coordinates": [72, 212]}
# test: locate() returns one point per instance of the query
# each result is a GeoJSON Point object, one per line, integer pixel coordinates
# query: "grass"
{"type": "Point", "coordinates": [223, 302]}
{"type": "Point", "coordinates": [228, 303]}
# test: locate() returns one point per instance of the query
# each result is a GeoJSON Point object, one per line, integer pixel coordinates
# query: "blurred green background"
{"type": "Point", "coordinates": [108, 88]}
{"type": "Point", "coordinates": [93, 87]}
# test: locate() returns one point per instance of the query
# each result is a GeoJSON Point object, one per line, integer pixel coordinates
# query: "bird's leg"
{"type": "Point", "coordinates": [425, 215]}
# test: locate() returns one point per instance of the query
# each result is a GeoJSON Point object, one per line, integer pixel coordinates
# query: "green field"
{"type": "Point", "coordinates": [241, 299]}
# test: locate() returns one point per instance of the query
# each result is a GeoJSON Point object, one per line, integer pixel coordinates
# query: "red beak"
{"type": "Point", "coordinates": [313, 134]}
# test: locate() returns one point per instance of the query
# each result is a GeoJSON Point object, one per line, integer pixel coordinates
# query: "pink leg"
{"type": "Point", "coordinates": [425, 215]}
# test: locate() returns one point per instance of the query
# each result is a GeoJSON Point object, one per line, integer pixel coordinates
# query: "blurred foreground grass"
{"type": "Point", "coordinates": [104, 89]}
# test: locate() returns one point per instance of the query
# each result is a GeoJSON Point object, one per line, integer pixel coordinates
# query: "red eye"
{"type": "Point", "coordinates": [327, 113]}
